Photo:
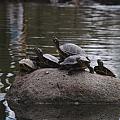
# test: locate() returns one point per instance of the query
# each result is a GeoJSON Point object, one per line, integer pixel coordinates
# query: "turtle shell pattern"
{"type": "Point", "coordinates": [72, 49]}
{"type": "Point", "coordinates": [28, 63]}
{"type": "Point", "coordinates": [71, 60]}
{"type": "Point", "coordinates": [51, 58]}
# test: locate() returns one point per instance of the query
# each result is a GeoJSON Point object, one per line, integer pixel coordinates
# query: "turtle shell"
{"type": "Point", "coordinates": [50, 61]}
{"type": "Point", "coordinates": [71, 60]}
{"type": "Point", "coordinates": [68, 49]}
{"type": "Point", "coordinates": [46, 60]}
{"type": "Point", "coordinates": [51, 58]}
{"type": "Point", "coordinates": [27, 62]}
{"type": "Point", "coordinates": [72, 49]}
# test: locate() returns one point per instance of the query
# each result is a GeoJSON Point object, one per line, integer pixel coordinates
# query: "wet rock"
{"type": "Point", "coordinates": [59, 88]}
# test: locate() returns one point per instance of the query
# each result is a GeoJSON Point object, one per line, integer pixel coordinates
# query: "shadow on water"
{"type": "Point", "coordinates": [24, 26]}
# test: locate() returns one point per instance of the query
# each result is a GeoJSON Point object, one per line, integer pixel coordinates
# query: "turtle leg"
{"type": "Point", "coordinates": [64, 67]}
{"type": "Point", "coordinates": [61, 68]}
{"type": "Point", "coordinates": [71, 71]}
{"type": "Point", "coordinates": [90, 68]}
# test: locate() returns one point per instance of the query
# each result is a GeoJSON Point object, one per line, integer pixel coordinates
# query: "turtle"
{"type": "Point", "coordinates": [26, 65]}
{"type": "Point", "coordinates": [46, 60]}
{"type": "Point", "coordinates": [76, 63]}
{"type": "Point", "coordinates": [68, 49]}
{"type": "Point", "coordinates": [102, 70]}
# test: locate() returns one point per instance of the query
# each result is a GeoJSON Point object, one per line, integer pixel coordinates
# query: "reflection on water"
{"type": "Point", "coordinates": [71, 112]}
{"type": "Point", "coordinates": [24, 26]}
{"type": "Point", "coordinates": [5, 112]}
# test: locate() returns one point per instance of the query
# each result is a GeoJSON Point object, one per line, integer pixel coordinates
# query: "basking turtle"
{"type": "Point", "coordinates": [76, 63]}
{"type": "Point", "coordinates": [46, 60]}
{"type": "Point", "coordinates": [68, 49]}
{"type": "Point", "coordinates": [100, 69]}
{"type": "Point", "coordinates": [26, 65]}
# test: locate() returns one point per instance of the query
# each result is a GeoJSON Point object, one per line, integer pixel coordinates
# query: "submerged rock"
{"type": "Point", "coordinates": [52, 86]}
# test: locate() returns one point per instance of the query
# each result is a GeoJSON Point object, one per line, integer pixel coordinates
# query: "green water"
{"type": "Point", "coordinates": [24, 26]}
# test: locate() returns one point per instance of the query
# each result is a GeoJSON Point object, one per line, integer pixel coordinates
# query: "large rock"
{"type": "Point", "coordinates": [55, 86]}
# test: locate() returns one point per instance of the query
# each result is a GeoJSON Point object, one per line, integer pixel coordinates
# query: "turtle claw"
{"type": "Point", "coordinates": [70, 72]}
{"type": "Point", "coordinates": [91, 70]}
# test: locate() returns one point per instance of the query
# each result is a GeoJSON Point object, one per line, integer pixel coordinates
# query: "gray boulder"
{"type": "Point", "coordinates": [52, 86]}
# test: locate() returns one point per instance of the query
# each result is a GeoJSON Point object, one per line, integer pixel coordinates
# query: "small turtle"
{"type": "Point", "coordinates": [76, 63]}
{"type": "Point", "coordinates": [26, 65]}
{"type": "Point", "coordinates": [100, 69]}
{"type": "Point", "coordinates": [46, 60]}
{"type": "Point", "coordinates": [68, 49]}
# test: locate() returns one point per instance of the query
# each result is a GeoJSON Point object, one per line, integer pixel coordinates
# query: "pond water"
{"type": "Point", "coordinates": [23, 26]}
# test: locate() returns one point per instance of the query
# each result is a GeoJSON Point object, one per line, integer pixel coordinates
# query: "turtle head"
{"type": "Point", "coordinates": [100, 62]}
{"type": "Point", "coordinates": [79, 60]}
{"type": "Point", "coordinates": [38, 51]}
{"type": "Point", "coordinates": [56, 41]}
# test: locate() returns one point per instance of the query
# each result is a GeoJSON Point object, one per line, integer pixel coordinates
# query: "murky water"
{"type": "Point", "coordinates": [23, 26]}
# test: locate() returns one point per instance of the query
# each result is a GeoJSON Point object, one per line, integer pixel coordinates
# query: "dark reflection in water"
{"type": "Point", "coordinates": [2, 111]}
{"type": "Point", "coordinates": [24, 26]}
{"type": "Point", "coordinates": [72, 112]}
